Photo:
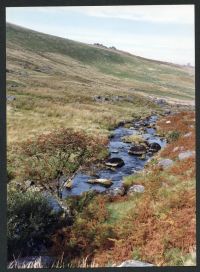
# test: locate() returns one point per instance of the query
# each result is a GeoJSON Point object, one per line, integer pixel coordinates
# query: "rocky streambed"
{"type": "Point", "coordinates": [126, 158]}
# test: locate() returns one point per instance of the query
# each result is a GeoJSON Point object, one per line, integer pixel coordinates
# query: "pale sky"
{"type": "Point", "coordinates": [163, 32]}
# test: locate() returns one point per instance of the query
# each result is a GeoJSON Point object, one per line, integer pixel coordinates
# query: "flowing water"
{"type": "Point", "coordinates": [119, 149]}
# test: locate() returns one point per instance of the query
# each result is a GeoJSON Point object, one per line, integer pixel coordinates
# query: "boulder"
{"type": "Point", "coordinates": [154, 147]}
{"type": "Point", "coordinates": [115, 162]}
{"type": "Point", "coordinates": [137, 150]}
{"type": "Point", "coordinates": [187, 134]}
{"type": "Point", "coordinates": [160, 102]}
{"type": "Point", "coordinates": [99, 98]}
{"type": "Point", "coordinates": [29, 183]}
{"type": "Point", "coordinates": [10, 98]}
{"type": "Point", "coordinates": [165, 163]}
{"type": "Point", "coordinates": [101, 181]}
{"type": "Point", "coordinates": [186, 155]}
{"type": "Point", "coordinates": [175, 149]}
{"type": "Point", "coordinates": [150, 154]}
{"type": "Point", "coordinates": [120, 191]}
{"type": "Point", "coordinates": [135, 189]}
{"type": "Point", "coordinates": [133, 263]}
{"type": "Point", "coordinates": [167, 111]}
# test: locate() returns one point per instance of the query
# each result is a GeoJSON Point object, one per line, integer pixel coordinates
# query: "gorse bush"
{"type": "Point", "coordinates": [63, 151]}
{"type": "Point", "coordinates": [30, 221]}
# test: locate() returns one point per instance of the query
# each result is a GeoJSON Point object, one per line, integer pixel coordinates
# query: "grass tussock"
{"type": "Point", "coordinates": [136, 139]}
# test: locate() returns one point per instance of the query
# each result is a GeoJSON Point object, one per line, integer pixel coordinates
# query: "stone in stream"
{"type": "Point", "coordinates": [152, 125]}
{"type": "Point", "coordinates": [137, 150]}
{"type": "Point", "coordinates": [114, 151]}
{"type": "Point", "coordinates": [65, 182]}
{"type": "Point", "coordinates": [154, 147]}
{"type": "Point", "coordinates": [143, 157]}
{"type": "Point", "coordinates": [68, 184]}
{"type": "Point", "coordinates": [112, 135]}
{"type": "Point", "coordinates": [103, 182]}
{"type": "Point", "coordinates": [114, 162]}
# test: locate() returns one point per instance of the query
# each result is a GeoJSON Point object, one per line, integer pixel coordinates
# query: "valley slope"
{"type": "Point", "coordinates": [55, 81]}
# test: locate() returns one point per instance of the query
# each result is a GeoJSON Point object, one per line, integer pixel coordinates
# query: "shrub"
{"type": "Point", "coordinates": [174, 136]}
{"type": "Point", "coordinates": [89, 232]}
{"type": "Point", "coordinates": [63, 151]}
{"type": "Point", "coordinates": [29, 222]}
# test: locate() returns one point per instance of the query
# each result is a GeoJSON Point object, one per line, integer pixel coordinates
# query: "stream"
{"type": "Point", "coordinates": [119, 149]}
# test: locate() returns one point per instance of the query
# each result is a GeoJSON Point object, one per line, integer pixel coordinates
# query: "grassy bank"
{"type": "Point", "coordinates": [157, 226]}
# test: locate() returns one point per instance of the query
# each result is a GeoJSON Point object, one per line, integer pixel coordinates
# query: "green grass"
{"type": "Point", "coordinates": [63, 97]}
{"type": "Point", "coordinates": [114, 63]}
{"type": "Point", "coordinates": [36, 41]}
{"type": "Point", "coordinates": [118, 210]}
